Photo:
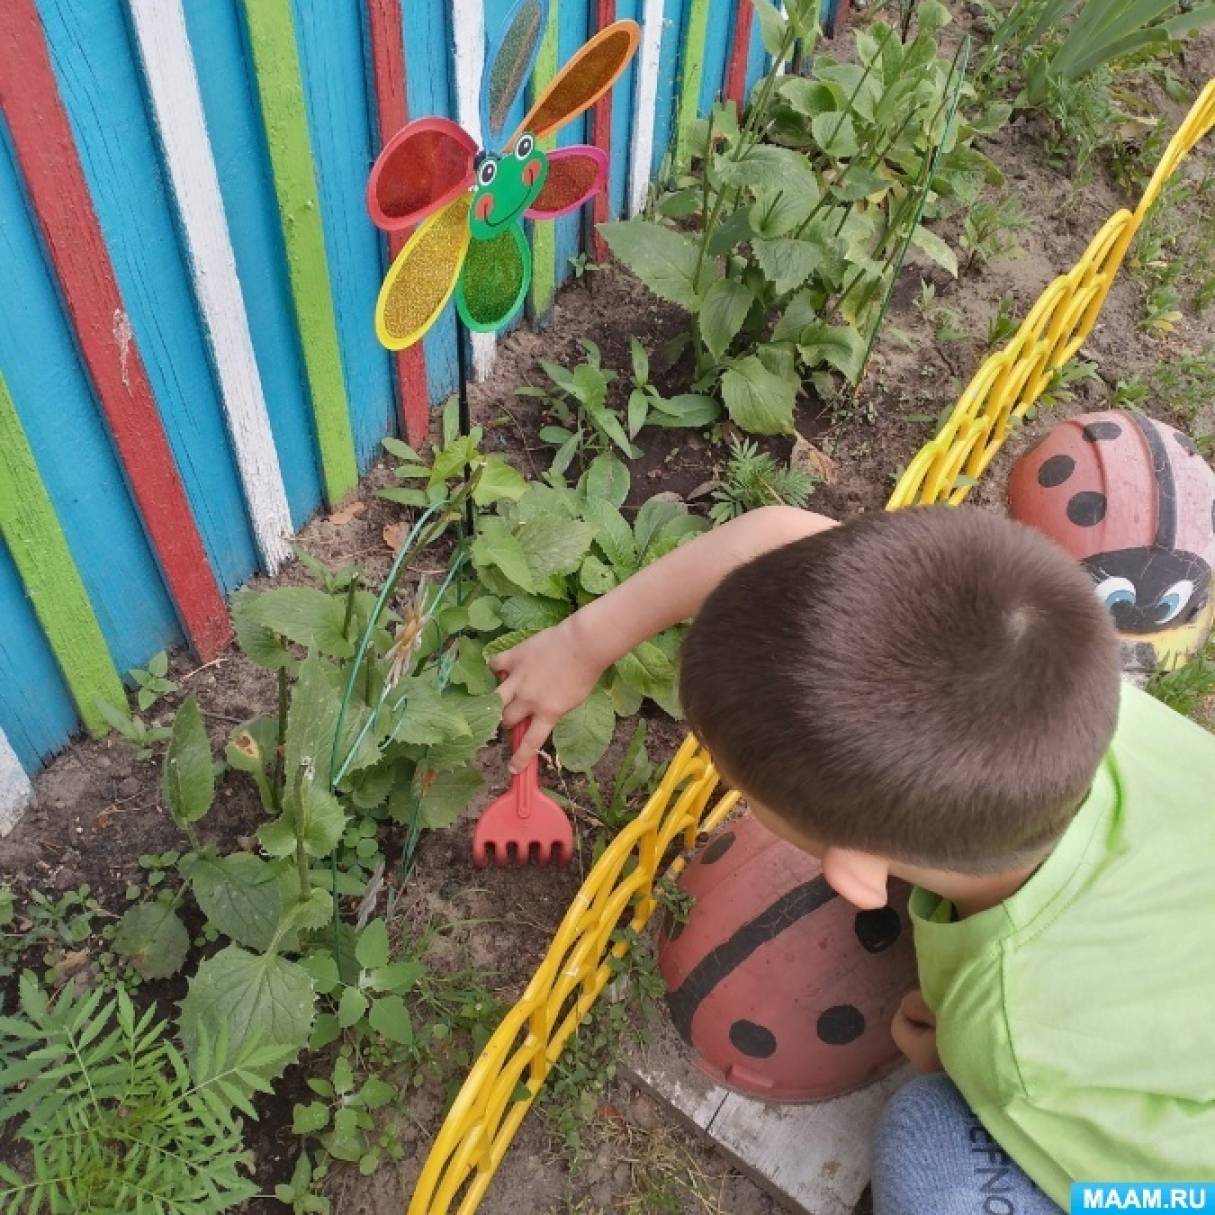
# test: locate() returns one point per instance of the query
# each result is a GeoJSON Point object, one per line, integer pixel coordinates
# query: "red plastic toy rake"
{"type": "Point", "coordinates": [523, 822]}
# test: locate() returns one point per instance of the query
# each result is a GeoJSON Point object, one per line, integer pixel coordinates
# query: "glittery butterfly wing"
{"type": "Point", "coordinates": [508, 66]}
{"type": "Point", "coordinates": [574, 175]}
{"type": "Point", "coordinates": [423, 167]}
{"type": "Point", "coordinates": [591, 72]}
{"type": "Point", "coordinates": [421, 279]}
{"type": "Point", "coordinates": [494, 281]}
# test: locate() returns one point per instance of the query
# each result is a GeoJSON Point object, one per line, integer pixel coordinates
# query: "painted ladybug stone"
{"type": "Point", "coordinates": [783, 989]}
{"type": "Point", "coordinates": [1134, 501]}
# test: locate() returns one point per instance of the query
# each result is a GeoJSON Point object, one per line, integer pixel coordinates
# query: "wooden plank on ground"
{"type": "Point", "coordinates": [812, 1158]}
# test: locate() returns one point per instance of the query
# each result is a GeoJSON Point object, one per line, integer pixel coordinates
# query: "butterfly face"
{"type": "Point", "coordinates": [506, 186]}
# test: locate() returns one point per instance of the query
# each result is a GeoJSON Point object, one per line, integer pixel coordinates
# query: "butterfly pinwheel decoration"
{"type": "Point", "coordinates": [470, 203]}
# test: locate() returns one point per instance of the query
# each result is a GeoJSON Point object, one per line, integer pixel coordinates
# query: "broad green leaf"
{"type": "Point", "coordinates": [689, 410]}
{"type": "Point", "coordinates": [638, 410]}
{"type": "Point", "coordinates": [189, 771]}
{"type": "Point", "coordinates": [582, 735]}
{"type": "Point", "coordinates": [758, 401]}
{"type": "Point", "coordinates": [808, 97]}
{"type": "Point", "coordinates": [446, 794]}
{"type": "Point", "coordinates": [608, 422]}
{"type": "Point", "coordinates": [483, 614]}
{"type": "Point", "coordinates": [153, 939]}
{"type": "Point", "coordinates": [800, 311]}
{"type": "Point", "coordinates": [773, 26]}
{"type": "Point", "coordinates": [553, 545]}
{"type": "Point", "coordinates": [835, 135]}
{"type": "Point", "coordinates": [312, 723]}
{"type": "Point", "coordinates": [531, 612]}
{"type": "Point", "coordinates": [655, 513]}
{"type": "Point", "coordinates": [306, 616]}
{"type": "Point", "coordinates": [596, 578]}
{"type": "Point", "coordinates": [856, 91]}
{"type": "Point", "coordinates": [646, 669]}
{"type": "Point", "coordinates": [401, 450]}
{"type": "Point", "coordinates": [310, 1118]}
{"type": "Point", "coordinates": [319, 818]}
{"type": "Point", "coordinates": [932, 15]}
{"type": "Point", "coordinates": [250, 749]}
{"type": "Point", "coordinates": [607, 478]}
{"type": "Point", "coordinates": [665, 260]}
{"type": "Point", "coordinates": [257, 642]}
{"type": "Point", "coordinates": [625, 700]}
{"type": "Point", "coordinates": [839, 345]}
{"type": "Point", "coordinates": [258, 997]}
{"type": "Point", "coordinates": [351, 1007]}
{"type": "Point", "coordinates": [613, 535]}
{"type": "Point", "coordinates": [785, 262]}
{"type": "Point", "coordinates": [427, 716]}
{"type": "Point", "coordinates": [404, 497]}
{"type": "Point", "coordinates": [769, 168]}
{"type": "Point", "coordinates": [725, 307]}
{"type": "Point", "coordinates": [372, 949]}
{"type": "Point", "coordinates": [860, 183]}
{"type": "Point", "coordinates": [498, 480]}
{"type": "Point", "coordinates": [240, 895]}
{"type": "Point", "coordinates": [495, 546]}
{"type": "Point", "coordinates": [929, 242]}
{"type": "Point", "coordinates": [390, 1018]}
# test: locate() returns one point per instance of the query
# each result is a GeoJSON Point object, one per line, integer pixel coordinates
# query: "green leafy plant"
{"type": "Point", "coordinates": [946, 321]}
{"type": "Point", "coordinates": [578, 400]}
{"type": "Point", "coordinates": [783, 244]}
{"type": "Point", "coordinates": [754, 478]}
{"type": "Point", "coordinates": [1004, 324]}
{"type": "Point", "coordinates": [648, 407]}
{"type": "Point", "coordinates": [1189, 687]}
{"type": "Point", "coordinates": [1185, 384]}
{"type": "Point", "coordinates": [142, 737]}
{"type": "Point", "coordinates": [153, 682]}
{"type": "Point", "coordinates": [113, 1118]}
{"type": "Point", "coordinates": [990, 227]}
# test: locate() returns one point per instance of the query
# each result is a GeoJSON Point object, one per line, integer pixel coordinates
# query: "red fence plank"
{"type": "Point", "coordinates": [392, 113]}
{"type": "Point", "coordinates": [740, 49]}
{"type": "Point", "coordinates": [603, 13]}
{"type": "Point", "coordinates": [56, 187]}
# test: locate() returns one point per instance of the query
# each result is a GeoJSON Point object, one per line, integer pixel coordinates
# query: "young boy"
{"type": "Point", "coordinates": [933, 694]}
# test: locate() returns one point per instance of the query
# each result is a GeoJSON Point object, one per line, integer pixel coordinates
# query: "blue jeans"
{"type": "Point", "coordinates": [932, 1156]}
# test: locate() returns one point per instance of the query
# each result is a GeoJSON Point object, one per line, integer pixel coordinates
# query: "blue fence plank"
{"type": "Point", "coordinates": [573, 28]}
{"type": "Point", "coordinates": [717, 49]}
{"type": "Point", "coordinates": [669, 63]}
{"type": "Point", "coordinates": [331, 48]}
{"type": "Point", "coordinates": [432, 91]}
{"type": "Point", "coordinates": [757, 58]}
{"type": "Point", "coordinates": [36, 712]}
{"type": "Point", "coordinates": [67, 433]}
{"type": "Point", "coordinates": [96, 65]}
{"type": "Point", "coordinates": [622, 117]}
{"type": "Point", "coordinates": [234, 124]}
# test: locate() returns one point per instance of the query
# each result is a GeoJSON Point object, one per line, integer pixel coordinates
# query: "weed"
{"type": "Point", "coordinates": [990, 229]}
{"type": "Point", "coordinates": [142, 738]}
{"type": "Point", "coordinates": [1065, 380]}
{"type": "Point", "coordinates": [1188, 688]}
{"type": "Point", "coordinates": [946, 321]}
{"type": "Point", "coordinates": [582, 268]}
{"type": "Point", "coordinates": [153, 682]}
{"type": "Point", "coordinates": [1185, 384]}
{"type": "Point", "coordinates": [648, 407]}
{"type": "Point", "coordinates": [754, 478]}
{"type": "Point", "coordinates": [1160, 309]}
{"type": "Point", "coordinates": [1004, 324]}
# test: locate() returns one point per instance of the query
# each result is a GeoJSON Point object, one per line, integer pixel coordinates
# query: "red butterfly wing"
{"type": "Point", "coordinates": [425, 165]}
{"type": "Point", "coordinates": [574, 175]}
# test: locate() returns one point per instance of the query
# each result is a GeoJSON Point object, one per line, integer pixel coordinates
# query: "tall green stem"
{"type": "Point", "coordinates": [280, 746]}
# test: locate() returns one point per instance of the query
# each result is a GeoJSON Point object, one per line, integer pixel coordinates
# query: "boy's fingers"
{"type": "Point", "coordinates": [515, 712]}
{"type": "Point", "coordinates": [533, 740]}
{"type": "Point", "coordinates": [506, 690]}
{"type": "Point", "coordinates": [501, 663]}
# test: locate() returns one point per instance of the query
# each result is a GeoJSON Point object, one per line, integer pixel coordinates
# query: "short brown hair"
{"type": "Point", "coordinates": [935, 685]}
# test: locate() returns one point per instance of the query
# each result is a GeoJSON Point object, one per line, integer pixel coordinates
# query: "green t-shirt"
{"type": "Point", "coordinates": [1078, 1017]}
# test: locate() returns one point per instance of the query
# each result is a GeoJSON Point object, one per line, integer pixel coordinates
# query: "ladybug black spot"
{"type": "Point", "coordinates": [1097, 432]}
{"type": "Point", "coordinates": [840, 1024]}
{"type": "Point", "coordinates": [717, 849]}
{"type": "Point", "coordinates": [1087, 508]}
{"type": "Point", "coordinates": [877, 930]}
{"type": "Point", "coordinates": [753, 1040]}
{"type": "Point", "coordinates": [1186, 443]}
{"type": "Point", "coordinates": [1055, 471]}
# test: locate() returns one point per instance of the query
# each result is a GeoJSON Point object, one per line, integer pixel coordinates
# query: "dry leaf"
{"type": "Point", "coordinates": [810, 459]}
{"type": "Point", "coordinates": [347, 513]}
{"type": "Point", "coordinates": [394, 535]}
{"type": "Point", "coordinates": [70, 964]}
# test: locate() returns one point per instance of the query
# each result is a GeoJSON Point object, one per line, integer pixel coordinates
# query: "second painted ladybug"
{"type": "Point", "coordinates": [1134, 501]}
{"type": "Point", "coordinates": [784, 990]}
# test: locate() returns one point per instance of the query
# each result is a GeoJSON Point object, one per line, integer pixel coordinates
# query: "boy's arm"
{"type": "Point", "coordinates": [553, 672]}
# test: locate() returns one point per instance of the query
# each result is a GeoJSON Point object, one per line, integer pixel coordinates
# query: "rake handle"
{"type": "Point", "coordinates": [525, 785]}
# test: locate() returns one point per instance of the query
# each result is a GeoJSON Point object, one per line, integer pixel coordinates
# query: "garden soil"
{"type": "Point", "coordinates": [98, 807]}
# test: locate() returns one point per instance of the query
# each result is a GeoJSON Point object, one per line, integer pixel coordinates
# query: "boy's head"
{"type": "Point", "coordinates": [935, 686]}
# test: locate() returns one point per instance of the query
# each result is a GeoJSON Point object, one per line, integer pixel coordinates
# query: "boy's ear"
{"type": "Point", "coordinates": [860, 877]}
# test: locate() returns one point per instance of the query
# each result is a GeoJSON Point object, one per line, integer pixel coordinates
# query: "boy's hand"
{"type": "Point", "coordinates": [914, 1030]}
{"type": "Point", "coordinates": [543, 678]}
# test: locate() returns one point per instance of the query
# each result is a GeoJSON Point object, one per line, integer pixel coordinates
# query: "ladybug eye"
{"type": "Point", "coordinates": [1113, 590]}
{"type": "Point", "coordinates": [1173, 602]}
{"type": "Point", "coordinates": [523, 149]}
{"type": "Point", "coordinates": [487, 172]}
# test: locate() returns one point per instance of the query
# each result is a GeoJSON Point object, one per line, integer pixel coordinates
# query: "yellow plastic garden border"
{"type": "Point", "coordinates": [485, 1116]}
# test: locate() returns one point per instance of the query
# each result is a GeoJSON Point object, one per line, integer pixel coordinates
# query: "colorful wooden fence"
{"type": "Point", "coordinates": [188, 368]}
